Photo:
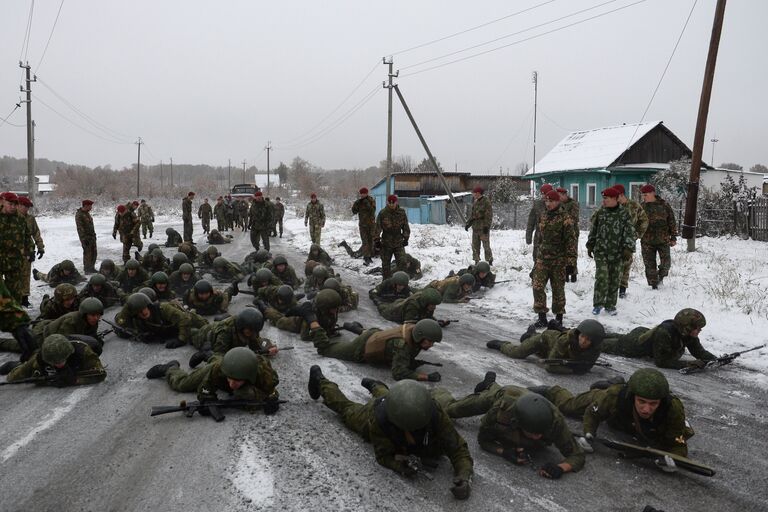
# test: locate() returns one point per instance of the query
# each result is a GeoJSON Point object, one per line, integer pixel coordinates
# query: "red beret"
{"type": "Point", "coordinates": [220, 197]}
{"type": "Point", "coordinates": [258, 194]}
{"type": "Point", "coordinates": [478, 189]}
{"type": "Point", "coordinates": [313, 196]}
{"type": "Point", "coordinates": [552, 195]}
{"type": "Point", "coordinates": [24, 201]}
{"type": "Point", "coordinates": [87, 202]}
{"type": "Point", "coordinates": [561, 190]}
{"type": "Point", "coordinates": [610, 192]}
{"type": "Point", "coordinates": [647, 188]}
{"type": "Point", "coordinates": [392, 198]}
{"type": "Point", "coordinates": [10, 197]}
{"type": "Point", "coordinates": [545, 188]}
{"type": "Point", "coordinates": [620, 188]}
{"type": "Point", "coordinates": [135, 203]}
{"type": "Point", "coordinates": [121, 208]}
{"type": "Point", "coordinates": [363, 190]}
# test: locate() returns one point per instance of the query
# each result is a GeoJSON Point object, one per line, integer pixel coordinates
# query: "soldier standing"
{"type": "Point", "coordinates": [556, 252]}
{"type": "Point", "coordinates": [260, 221]}
{"type": "Point", "coordinates": [87, 235]}
{"type": "Point", "coordinates": [34, 232]}
{"type": "Point", "coordinates": [393, 230]}
{"type": "Point", "coordinates": [659, 237]}
{"type": "Point", "coordinates": [640, 221]}
{"type": "Point", "coordinates": [315, 217]}
{"type": "Point", "coordinates": [15, 245]}
{"type": "Point", "coordinates": [480, 221]}
{"type": "Point", "coordinates": [220, 215]}
{"type": "Point", "coordinates": [125, 221]}
{"type": "Point", "coordinates": [571, 207]}
{"type": "Point", "coordinates": [204, 213]}
{"type": "Point", "coordinates": [611, 240]}
{"type": "Point", "coordinates": [365, 209]}
{"type": "Point", "coordinates": [186, 215]}
{"type": "Point", "coordinates": [537, 208]}
{"type": "Point", "coordinates": [147, 217]}
{"type": "Point", "coordinates": [278, 220]}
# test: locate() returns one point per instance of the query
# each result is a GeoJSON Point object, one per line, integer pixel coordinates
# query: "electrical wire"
{"type": "Point", "coordinates": [472, 28]}
{"type": "Point", "coordinates": [27, 33]}
{"type": "Point", "coordinates": [536, 36]}
{"type": "Point", "coordinates": [514, 137]}
{"type": "Point", "coordinates": [37, 98]}
{"type": "Point", "coordinates": [545, 116]}
{"type": "Point", "coordinates": [40, 62]}
{"type": "Point", "coordinates": [5, 120]}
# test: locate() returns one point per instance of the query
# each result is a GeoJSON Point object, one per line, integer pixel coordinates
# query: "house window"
{"type": "Point", "coordinates": [575, 191]}
{"type": "Point", "coordinates": [591, 194]}
{"type": "Point", "coordinates": [634, 190]}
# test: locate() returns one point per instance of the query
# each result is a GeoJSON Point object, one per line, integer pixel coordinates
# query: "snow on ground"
{"type": "Point", "coordinates": [726, 279]}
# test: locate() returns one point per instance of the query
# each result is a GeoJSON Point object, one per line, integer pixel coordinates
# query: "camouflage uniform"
{"type": "Point", "coordinates": [127, 224]}
{"type": "Point", "coordinates": [318, 254]}
{"type": "Point", "coordinates": [555, 252]}
{"type": "Point", "coordinates": [204, 213]}
{"type": "Point", "coordinates": [315, 217]}
{"type": "Point", "coordinates": [174, 239]}
{"type": "Point", "coordinates": [87, 235]}
{"type": "Point", "coordinates": [167, 320]}
{"type": "Point", "coordinates": [53, 308]}
{"type": "Point", "coordinates": [127, 283]}
{"type": "Point", "coordinates": [15, 247]}
{"type": "Point", "coordinates": [220, 215]}
{"type": "Point", "coordinates": [241, 210]}
{"type": "Point", "coordinates": [216, 238]}
{"type": "Point", "coordinates": [450, 289]}
{"type": "Point", "coordinates": [365, 209]}
{"type": "Point", "coordinates": [217, 303]}
{"type": "Point", "coordinates": [260, 223]}
{"type": "Point", "coordinates": [298, 319]}
{"type": "Point", "coordinates": [489, 281]}
{"type": "Point", "coordinates": [662, 229]}
{"type": "Point", "coordinates": [230, 273]}
{"type": "Point", "coordinates": [82, 359]}
{"type": "Point", "coordinates": [640, 221]}
{"type": "Point", "coordinates": [409, 310]}
{"type": "Point", "coordinates": [554, 344]}
{"type": "Point", "coordinates": [222, 336]}
{"type": "Point", "coordinates": [277, 222]}
{"type": "Point", "coordinates": [146, 217]}
{"type": "Point", "coordinates": [108, 295]}
{"type": "Point", "coordinates": [189, 249]}
{"type": "Point", "coordinates": [667, 429]}
{"type": "Point", "coordinates": [229, 212]}
{"type": "Point", "coordinates": [571, 208]}
{"type": "Point", "coordinates": [34, 232]}
{"type": "Point", "coordinates": [71, 323]}
{"type": "Point", "coordinates": [480, 221]}
{"type": "Point", "coordinates": [208, 379]}
{"type": "Point", "coordinates": [56, 276]}
{"type": "Point", "coordinates": [287, 276]}
{"type": "Point", "coordinates": [499, 430]}
{"type": "Point", "coordinates": [386, 292]}
{"type": "Point", "coordinates": [12, 315]}
{"type": "Point", "coordinates": [370, 422]}
{"type": "Point", "coordinates": [179, 286]}
{"type": "Point", "coordinates": [531, 230]}
{"type": "Point", "coordinates": [186, 217]}
{"type": "Point", "coordinates": [610, 235]}
{"type": "Point", "coordinates": [392, 227]}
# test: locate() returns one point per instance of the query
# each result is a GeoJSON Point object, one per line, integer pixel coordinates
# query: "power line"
{"type": "Point", "coordinates": [554, 122]}
{"type": "Point", "coordinates": [5, 120]}
{"type": "Point", "coordinates": [27, 33]}
{"type": "Point", "coordinates": [37, 68]}
{"type": "Point", "coordinates": [472, 28]}
{"type": "Point", "coordinates": [77, 125]}
{"type": "Point", "coordinates": [514, 137]}
{"type": "Point", "coordinates": [536, 36]}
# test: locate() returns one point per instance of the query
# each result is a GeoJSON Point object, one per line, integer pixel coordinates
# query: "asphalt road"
{"type": "Point", "coordinates": [96, 448]}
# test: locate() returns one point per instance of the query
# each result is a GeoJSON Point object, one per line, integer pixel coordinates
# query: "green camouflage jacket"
{"type": "Point", "coordinates": [611, 234]}
{"type": "Point", "coordinates": [145, 213]}
{"type": "Point", "coordinates": [537, 208]}
{"type": "Point", "coordinates": [315, 214]}
{"type": "Point", "coordinates": [205, 211]}
{"type": "Point", "coordinates": [638, 216]}
{"type": "Point", "coordinates": [265, 383]}
{"type": "Point", "coordinates": [217, 303]}
{"type": "Point", "coordinates": [15, 242]}
{"type": "Point", "coordinates": [82, 359]}
{"type": "Point", "coordinates": [186, 209]}
{"type": "Point", "coordinates": [71, 323]}
{"type": "Point", "coordinates": [557, 237]}
{"type": "Point", "coordinates": [34, 231]}
{"type": "Point", "coordinates": [662, 225]}
{"type": "Point", "coordinates": [481, 217]}
{"type": "Point", "coordinates": [365, 209]}
{"type": "Point", "coordinates": [84, 223]}
{"type": "Point", "coordinates": [392, 226]}
{"type": "Point", "coordinates": [260, 216]}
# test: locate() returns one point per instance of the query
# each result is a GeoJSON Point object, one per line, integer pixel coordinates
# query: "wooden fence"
{"type": "Point", "coordinates": [758, 219]}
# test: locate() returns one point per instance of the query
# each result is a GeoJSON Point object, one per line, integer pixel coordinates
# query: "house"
{"type": "Point", "coordinates": [712, 178]}
{"type": "Point", "coordinates": [586, 162]}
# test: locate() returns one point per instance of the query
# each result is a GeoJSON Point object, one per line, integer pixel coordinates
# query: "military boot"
{"type": "Point", "coordinates": [494, 344]}
{"type": "Point", "coordinates": [25, 301]}
{"type": "Point", "coordinates": [539, 390]}
{"type": "Point", "coordinates": [559, 319]}
{"type": "Point", "coordinates": [199, 357]}
{"type": "Point", "coordinates": [353, 327]}
{"type": "Point", "coordinates": [313, 386]}
{"type": "Point", "coordinates": [622, 292]}
{"type": "Point", "coordinates": [487, 382]}
{"type": "Point", "coordinates": [605, 384]}
{"type": "Point", "coordinates": [36, 274]}
{"type": "Point", "coordinates": [6, 367]}
{"type": "Point", "coordinates": [542, 321]}
{"type": "Point", "coordinates": [159, 370]}
{"type": "Point", "coordinates": [370, 384]}
{"type": "Point", "coordinates": [367, 261]}
{"type": "Point", "coordinates": [174, 343]}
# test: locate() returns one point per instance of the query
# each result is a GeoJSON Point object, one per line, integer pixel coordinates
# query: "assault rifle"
{"type": "Point", "coordinates": [127, 332]}
{"type": "Point", "coordinates": [421, 362]}
{"type": "Point", "coordinates": [633, 451]}
{"type": "Point", "coordinates": [212, 407]}
{"type": "Point", "coordinates": [413, 462]}
{"type": "Point", "coordinates": [575, 364]}
{"type": "Point", "coordinates": [53, 378]}
{"type": "Point", "coordinates": [720, 361]}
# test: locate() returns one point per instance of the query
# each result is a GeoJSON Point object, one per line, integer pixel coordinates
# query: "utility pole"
{"type": "Point", "coordinates": [268, 148]}
{"type": "Point", "coordinates": [229, 174]}
{"type": "Point", "coordinates": [31, 182]}
{"type": "Point", "coordinates": [429, 154]}
{"type": "Point", "coordinates": [535, 105]}
{"type": "Point", "coordinates": [161, 176]}
{"type": "Point", "coordinates": [389, 62]}
{"type": "Point", "coordinates": [138, 167]}
{"type": "Point", "coordinates": [244, 172]}
{"type": "Point", "coordinates": [171, 175]}
{"type": "Point", "coordinates": [689, 222]}
{"type": "Point", "coordinates": [713, 141]}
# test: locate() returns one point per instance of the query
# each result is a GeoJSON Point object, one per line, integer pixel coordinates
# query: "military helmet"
{"type": "Point", "coordinates": [400, 278]}
{"type": "Point", "coordinates": [186, 268]}
{"type": "Point", "coordinates": [689, 319]}
{"type": "Point", "coordinates": [409, 406]}
{"type": "Point", "coordinates": [314, 248]}
{"type": "Point", "coordinates": [285, 294]}
{"type": "Point", "coordinates": [186, 248]}
{"type": "Point", "coordinates": [648, 383]}
{"type": "Point", "coordinates": [64, 291]}
{"type": "Point", "coordinates": [56, 349]}
{"type": "Point", "coordinates": [203, 286]}
{"type": "Point", "coordinates": [132, 265]}
{"type": "Point", "coordinates": [431, 297]}
{"type": "Point", "coordinates": [483, 266]}
{"type": "Point", "coordinates": [534, 413]}
{"type": "Point", "coordinates": [168, 231]}
{"type": "Point", "coordinates": [320, 272]}
{"type": "Point", "coordinates": [149, 292]}
{"type": "Point", "coordinates": [220, 262]}
{"type": "Point", "coordinates": [261, 256]}
{"type": "Point", "coordinates": [68, 265]}
{"type": "Point", "coordinates": [240, 363]}
{"type": "Point", "coordinates": [429, 329]}
{"type": "Point", "coordinates": [151, 247]}
{"type": "Point", "coordinates": [91, 306]}
{"type": "Point", "coordinates": [332, 284]}
{"type": "Point", "coordinates": [328, 299]}
{"type": "Point", "coordinates": [263, 275]}
{"type": "Point", "coordinates": [179, 258]}
{"type": "Point", "coordinates": [213, 232]}
{"type": "Point", "coordinates": [107, 264]}
{"type": "Point", "coordinates": [212, 251]}
{"type": "Point", "coordinates": [593, 330]}
{"type": "Point", "coordinates": [249, 318]}
{"type": "Point", "coordinates": [157, 253]}
{"type": "Point", "coordinates": [467, 279]}
{"type": "Point", "coordinates": [159, 278]}
{"type": "Point", "coordinates": [97, 280]}
{"type": "Point", "coordinates": [137, 302]}
{"type": "Point", "coordinates": [279, 260]}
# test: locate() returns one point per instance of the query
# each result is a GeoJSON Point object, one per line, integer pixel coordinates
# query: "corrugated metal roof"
{"type": "Point", "coordinates": [592, 149]}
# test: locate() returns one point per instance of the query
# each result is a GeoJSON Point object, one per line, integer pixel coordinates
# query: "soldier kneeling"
{"type": "Point", "coordinates": [60, 362]}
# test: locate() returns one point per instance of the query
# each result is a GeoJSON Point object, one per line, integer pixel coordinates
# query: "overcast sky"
{"type": "Point", "coordinates": [206, 81]}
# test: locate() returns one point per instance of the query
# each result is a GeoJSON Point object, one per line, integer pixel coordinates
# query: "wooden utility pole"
{"type": "Point", "coordinates": [689, 222]}
{"type": "Point", "coordinates": [31, 181]}
{"type": "Point", "coordinates": [161, 176]}
{"type": "Point", "coordinates": [535, 107]}
{"type": "Point", "coordinates": [138, 167]}
{"type": "Point", "coordinates": [268, 148]}
{"type": "Point", "coordinates": [171, 175]}
{"type": "Point", "coordinates": [229, 174]}
{"type": "Point", "coordinates": [389, 86]}
{"type": "Point", "coordinates": [244, 172]}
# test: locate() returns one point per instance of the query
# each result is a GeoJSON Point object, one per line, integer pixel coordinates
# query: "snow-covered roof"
{"type": "Point", "coordinates": [592, 149]}
{"type": "Point", "coordinates": [445, 197]}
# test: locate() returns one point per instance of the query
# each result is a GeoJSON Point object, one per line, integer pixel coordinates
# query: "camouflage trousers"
{"type": "Point", "coordinates": [654, 273]}
{"type": "Point", "coordinates": [345, 350]}
{"type": "Point", "coordinates": [386, 260]}
{"type": "Point", "coordinates": [130, 240]}
{"type": "Point", "coordinates": [26, 275]}
{"type": "Point", "coordinates": [355, 416]}
{"type": "Point", "coordinates": [278, 224]}
{"type": "Point", "coordinates": [477, 238]}
{"type": "Point", "coordinates": [206, 222]}
{"type": "Point", "coordinates": [554, 273]}
{"type": "Point", "coordinates": [14, 282]}
{"type": "Point", "coordinates": [221, 224]}
{"type": "Point", "coordinates": [626, 266]}
{"type": "Point", "coordinates": [187, 230]}
{"type": "Point", "coordinates": [366, 238]}
{"type": "Point", "coordinates": [626, 345]}
{"type": "Point", "coordinates": [147, 226]}
{"type": "Point", "coordinates": [293, 323]}
{"type": "Point", "coordinates": [89, 255]}
{"type": "Point", "coordinates": [475, 404]}
{"type": "Point", "coordinates": [607, 278]}
{"type": "Point", "coordinates": [179, 380]}
{"type": "Point", "coordinates": [258, 237]}
{"type": "Point", "coordinates": [533, 345]}
{"type": "Point", "coordinates": [314, 232]}
{"type": "Point", "coordinates": [12, 314]}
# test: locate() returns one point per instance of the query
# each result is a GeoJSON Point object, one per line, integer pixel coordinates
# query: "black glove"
{"type": "Point", "coordinates": [551, 470]}
{"type": "Point", "coordinates": [405, 242]}
{"type": "Point", "coordinates": [114, 235]}
{"type": "Point", "coordinates": [697, 363]}
{"type": "Point", "coordinates": [66, 376]}
{"type": "Point", "coordinates": [40, 253]}
{"type": "Point", "coordinates": [486, 231]}
{"type": "Point", "coordinates": [589, 253]}
{"type": "Point", "coordinates": [461, 489]}
{"type": "Point", "coordinates": [271, 406]}
{"type": "Point", "coordinates": [31, 257]}
{"type": "Point", "coordinates": [467, 226]}
{"type": "Point", "coordinates": [174, 343]}
{"type": "Point", "coordinates": [260, 305]}
{"type": "Point", "coordinates": [443, 323]}
{"type": "Point", "coordinates": [514, 456]}
{"type": "Point", "coordinates": [569, 270]}
{"type": "Point", "coordinates": [408, 470]}
{"type": "Point", "coordinates": [434, 377]}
